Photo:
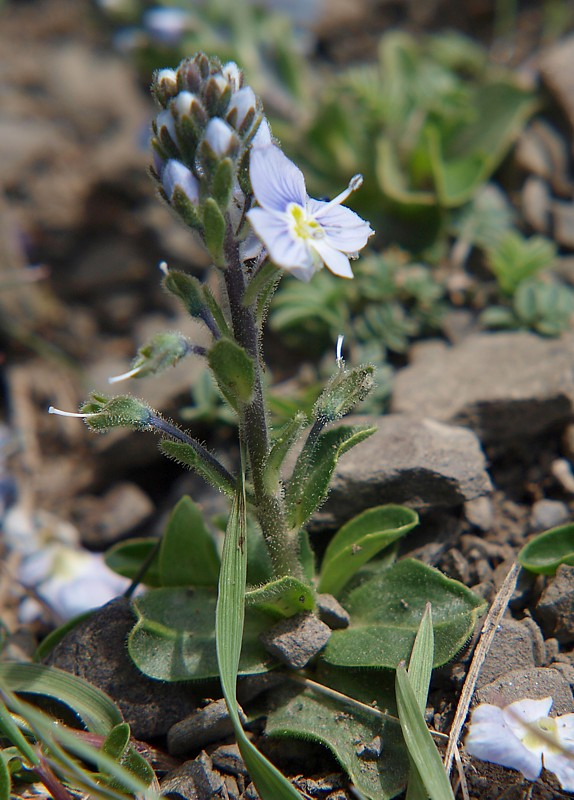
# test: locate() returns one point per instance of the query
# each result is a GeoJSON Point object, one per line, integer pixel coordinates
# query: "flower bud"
{"type": "Point", "coordinates": [241, 110]}
{"type": "Point", "coordinates": [190, 73]}
{"type": "Point", "coordinates": [232, 75]}
{"type": "Point", "coordinates": [217, 94]}
{"type": "Point", "coordinates": [175, 174]}
{"type": "Point", "coordinates": [164, 85]}
{"type": "Point", "coordinates": [166, 133]}
{"type": "Point", "coordinates": [221, 139]}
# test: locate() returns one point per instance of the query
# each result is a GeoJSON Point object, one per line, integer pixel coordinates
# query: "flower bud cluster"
{"type": "Point", "coordinates": [202, 135]}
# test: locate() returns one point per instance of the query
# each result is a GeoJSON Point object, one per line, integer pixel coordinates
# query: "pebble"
{"type": "Point", "coordinates": [296, 640]}
{"type": "Point", "coordinates": [555, 609]}
{"type": "Point", "coordinates": [546, 514]}
{"type": "Point", "coordinates": [208, 724]}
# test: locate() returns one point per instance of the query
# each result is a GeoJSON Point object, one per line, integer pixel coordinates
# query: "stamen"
{"type": "Point", "coordinates": [355, 182]}
{"type": "Point", "coordinates": [75, 414]}
{"type": "Point", "coordinates": [339, 351]}
{"type": "Point", "coordinates": [125, 375]}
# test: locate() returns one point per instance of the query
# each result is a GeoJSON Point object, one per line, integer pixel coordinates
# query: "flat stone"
{"type": "Point", "coordinates": [420, 463]}
{"type": "Point", "coordinates": [555, 609]}
{"type": "Point", "coordinates": [209, 783]}
{"type": "Point", "coordinates": [179, 783]}
{"type": "Point", "coordinates": [501, 385]}
{"type": "Point", "coordinates": [96, 650]}
{"type": "Point", "coordinates": [533, 684]}
{"type": "Point", "coordinates": [227, 758]}
{"type": "Point", "coordinates": [208, 724]}
{"type": "Point", "coordinates": [294, 641]}
{"type": "Point", "coordinates": [513, 648]}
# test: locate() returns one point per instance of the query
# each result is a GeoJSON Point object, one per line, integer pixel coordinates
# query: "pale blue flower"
{"type": "Point", "coordinates": [522, 736]}
{"type": "Point", "coordinates": [302, 234]}
{"type": "Point", "coordinates": [167, 25]}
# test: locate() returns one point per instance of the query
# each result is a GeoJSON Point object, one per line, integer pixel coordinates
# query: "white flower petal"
{"type": "Point", "coordinates": [262, 136]}
{"type": "Point", "coordinates": [526, 711]}
{"type": "Point", "coordinates": [336, 261]}
{"type": "Point", "coordinates": [284, 249]}
{"type": "Point", "coordinates": [562, 767]}
{"type": "Point", "coordinates": [491, 739]}
{"type": "Point", "coordinates": [345, 230]}
{"type": "Point", "coordinates": [275, 180]}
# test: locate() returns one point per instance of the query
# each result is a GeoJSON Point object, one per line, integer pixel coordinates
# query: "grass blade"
{"type": "Point", "coordinates": [229, 619]}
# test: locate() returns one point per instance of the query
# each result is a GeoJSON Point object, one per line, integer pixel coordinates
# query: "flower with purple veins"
{"type": "Point", "coordinates": [522, 736]}
{"type": "Point", "coordinates": [300, 233]}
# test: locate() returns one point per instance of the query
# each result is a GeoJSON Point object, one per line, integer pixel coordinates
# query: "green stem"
{"type": "Point", "coordinates": [283, 546]}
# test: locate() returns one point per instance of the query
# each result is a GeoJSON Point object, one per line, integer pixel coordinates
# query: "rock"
{"type": "Point", "coordinates": [416, 462]}
{"type": "Point", "coordinates": [556, 68]}
{"type": "Point", "coordinates": [179, 783]}
{"type": "Point", "coordinates": [536, 204]}
{"type": "Point", "coordinates": [547, 514]}
{"type": "Point", "coordinates": [96, 650]}
{"type": "Point", "coordinates": [480, 513]}
{"type": "Point", "coordinates": [563, 222]}
{"type": "Point", "coordinates": [102, 521]}
{"type": "Point", "coordinates": [555, 609]}
{"type": "Point", "coordinates": [227, 758]}
{"type": "Point", "coordinates": [513, 648]}
{"type": "Point", "coordinates": [294, 641]}
{"type": "Point", "coordinates": [502, 385]}
{"type": "Point", "coordinates": [204, 726]}
{"type": "Point", "coordinates": [208, 782]}
{"type": "Point", "coordinates": [529, 683]}
{"type": "Point", "coordinates": [331, 612]}
{"type": "Point", "coordinates": [542, 150]}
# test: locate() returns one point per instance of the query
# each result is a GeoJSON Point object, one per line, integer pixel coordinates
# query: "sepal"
{"type": "Point", "coordinates": [162, 351]}
{"type": "Point", "coordinates": [104, 413]}
{"type": "Point", "coordinates": [342, 393]}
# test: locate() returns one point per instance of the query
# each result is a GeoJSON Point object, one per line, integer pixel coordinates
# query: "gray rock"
{"type": "Point", "coordinates": [563, 219]}
{"type": "Point", "coordinates": [536, 204]}
{"type": "Point", "coordinates": [331, 612]}
{"type": "Point", "coordinates": [555, 609]}
{"type": "Point", "coordinates": [419, 463]}
{"type": "Point", "coordinates": [556, 67]}
{"type": "Point", "coordinates": [102, 521]}
{"type": "Point", "coordinates": [502, 385]}
{"type": "Point", "coordinates": [208, 724]}
{"type": "Point", "coordinates": [227, 758]}
{"type": "Point", "coordinates": [480, 513]}
{"type": "Point", "coordinates": [513, 648]}
{"type": "Point", "coordinates": [529, 683]}
{"type": "Point", "coordinates": [294, 641]}
{"type": "Point", "coordinates": [208, 782]}
{"type": "Point", "coordinates": [96, 650]}
{"type": "Point", "coordinates": [547, 514]}
{"type": "Point", "coordinates": [179, 783]}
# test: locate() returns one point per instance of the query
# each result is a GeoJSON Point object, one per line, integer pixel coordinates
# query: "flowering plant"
{"type": "Point", "coordinates": [218, 167]}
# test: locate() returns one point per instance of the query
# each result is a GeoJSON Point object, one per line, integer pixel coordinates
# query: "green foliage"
{"type": "Point", "coordinates": [233, 370]}
{"type": "Point", "coordinates": [513, 258]}
{"type": "Point", "coordinates": [546, 307]}
{"type": "Point", "coordinates": [545, 552]}
{"type": "Point", "coordinates": [386, 612]}
{"type": "Point", "coordinates": [187, 555]}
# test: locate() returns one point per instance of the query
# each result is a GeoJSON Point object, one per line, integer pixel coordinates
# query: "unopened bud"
{"type": "Point", "coordinates": [241, 110]}
{"type": "Point", "coordinates": [165, 126]}
{"type": "Point", "coordinates": [165, 85]}
{"type": "Point", "coordinates": [343, 392]}
{"type": "Point", "coordinates": [221, 138]}
{"type": "Point", "coordinates": [175, 174]}
{"type": "Point", "coordinates": [217, 95]}
{"type": "Point", "coordinates": [232, 75]}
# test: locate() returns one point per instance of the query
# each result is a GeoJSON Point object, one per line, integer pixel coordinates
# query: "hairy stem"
{"type": "Point", "coordinates": [283, 545]}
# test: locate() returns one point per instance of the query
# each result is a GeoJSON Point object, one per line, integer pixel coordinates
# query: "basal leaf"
{"type": "Point", "coordinates": [386, 612]}
{"type": "Point", "coordinates": [361, 539]}
{"type": "Point", "coordinates": [128, 559]}
{"type": "Point", "coordinates": [546, 552]}
{"type": "Point", "coordinates": [187, 554]}
{"type": "Point", "coordinates": [174, 637]}
{"type": "Point", "coordinates": [284, 597]}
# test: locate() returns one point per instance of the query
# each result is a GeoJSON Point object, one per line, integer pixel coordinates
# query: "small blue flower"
{"type": "Point", "coordinates": [302, 234]}
{"type": "Point", "coordinates": [522, 736]}
{"type": "Point", "coordinates": [167, 25]}
{"type": "Point", "coordinates": [173, 174]}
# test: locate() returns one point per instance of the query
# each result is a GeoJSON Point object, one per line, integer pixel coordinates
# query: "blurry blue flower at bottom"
{"type": "Point", "coordinates": [523, 737]}
{"type": "Point", "coordinates": [302, 234]}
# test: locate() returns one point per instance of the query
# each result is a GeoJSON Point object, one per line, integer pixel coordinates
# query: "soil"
{"type": "Point", "coordinates": [82, 232]}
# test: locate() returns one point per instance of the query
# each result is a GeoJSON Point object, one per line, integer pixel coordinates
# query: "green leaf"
{"type": "Point", "coordinates": [187, 555]}
{"type": "Point", "coordinates": [546, 552]}
{"type": "Point", "coordinates": [117, 741]}
{"type": "Point", "coordinates": [386, 612]}
{"type": "Point", "coordinates": [361, 539]}
{"type": "Point", "coordinates": [513, 258]}
{"type": "Point", "coordinates": [174, 637]}
{"type": "Point", "coordinates": [222, 183]}
{"type": "Point", "coordinates": [230, 618]}
{"type": "Point", "coordinates": [188, 289]}
{"type": "Point", "coordinates": [233, 370]}
{"type": "Point", "coordinates": [214, 225]}
{"type": "Point", "coordinates": [344, 390]}
{"type": "Point", "coordinates": [96, 710]}
{"type": "Point", "coordinates": [127, 559]}
{"type": "Point", "coordinates": [284, 597]}
{"type": "Point", "coordinates": [188, 456]}
{"type": "Point", "coordinates": [5, 780]}
{"type": "Point", "coordinates": [309, 483]}
{"type": "Point", "coordinates": [282, 444]}
{"type": "Point", "coordinates": [419, 742]}
{"type": "Point", "coordinates": [346, 729]}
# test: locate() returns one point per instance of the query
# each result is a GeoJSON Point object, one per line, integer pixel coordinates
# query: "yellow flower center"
{"type": "Point", "coordinates": [303, 225]}
{"type": "Point", "coordinates": [547, 725]}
